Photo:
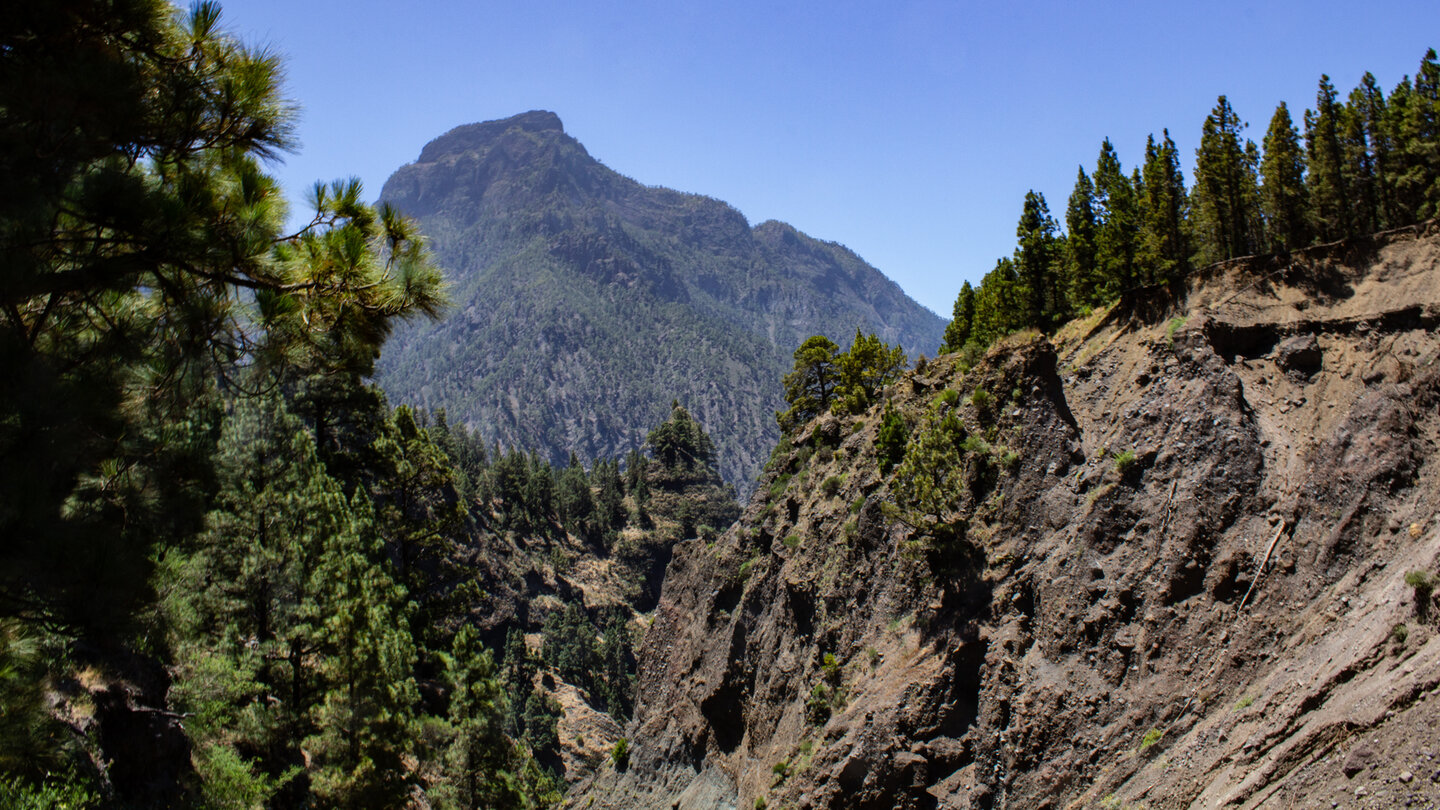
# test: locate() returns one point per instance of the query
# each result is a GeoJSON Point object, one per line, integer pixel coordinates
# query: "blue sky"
{"type": "Point", "coordinates": [907, 131]}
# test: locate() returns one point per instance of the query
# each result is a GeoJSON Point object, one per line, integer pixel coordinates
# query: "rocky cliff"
{"type": "Point", "coordinates": [1175, 566]}
{"type": "Point", "coordinates": [585, 302]}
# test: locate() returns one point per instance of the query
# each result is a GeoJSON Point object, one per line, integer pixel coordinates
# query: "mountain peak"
{"type": "Point", "coordinates": [470, 137]}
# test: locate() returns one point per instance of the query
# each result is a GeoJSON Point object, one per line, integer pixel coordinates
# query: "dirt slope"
{"type": "Point", "coordinates": [1187, 538]}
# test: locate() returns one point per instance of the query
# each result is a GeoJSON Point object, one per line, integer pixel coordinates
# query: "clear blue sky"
{"type": "Point", "coordinates": [908, 131]}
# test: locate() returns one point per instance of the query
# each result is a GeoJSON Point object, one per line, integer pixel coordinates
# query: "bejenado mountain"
{"type": "Point", "coordinates": [585, 302]}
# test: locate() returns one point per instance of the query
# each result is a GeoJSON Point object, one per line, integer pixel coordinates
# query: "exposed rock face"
{"type": "Point", "coordinates": [585, 302]}
{"type": "Point", "coordinates": [1182, 564]}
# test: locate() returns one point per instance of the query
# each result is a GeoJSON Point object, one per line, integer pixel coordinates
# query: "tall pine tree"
{"type": "Point", "coordinates": [1084, 284]}
{"type": "Point", "coordinates": [1283, 197]}
{"type": "Point", "coordinates": [1117, 233]}
{"type": "Point", "coordinates": [1226, 194]}
{"type": "Point", "coordinates": [1330, 205]}
{"type": "Point", "coordinates": [1164, 247]}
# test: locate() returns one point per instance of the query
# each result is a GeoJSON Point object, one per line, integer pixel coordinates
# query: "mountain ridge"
{"type": "Point", "coordinates": [567, 277]}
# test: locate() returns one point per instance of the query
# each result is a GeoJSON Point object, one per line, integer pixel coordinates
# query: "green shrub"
{"type": "Point", "coordinates": [1400, 633]}
{"type": "Point", "coordinates": [16, 793]}
{"type": "Point", "coordinates": [1171, 328]}
{"type": "Point", "coordinates": [780, 770]}
{"type": "Point", "coordinates": [891, 438]}
{"type": "Point", "coordinates": [1010, 460]}
{"type": "Point", "coordinates": [1424, 585]}
{"type": "Point", "coordinates": [748, 566]}
{"type": "Point", "coordinates": [947, 397]}
{"type": "Point", "coordinates": [760, 803]}
{"type": "Point", "coordinates": [620, 754]}
{"type": "Point", "coordinates": [975, 445]}
{"type": "Point", "coordinates": [1151, 737]}
{"type": "Point", "coordinates": [1123, 461]}
{"type": "Point", "coordinates": [817, 708]}
{"type": "Point", "coordinates": [778, 486]}
{"type": "Point", "coordinates": [981, 399]}
{"type": "Point", "coordinates": [791, 541]}
{"type": "Point", "coordinates": [831, 485]}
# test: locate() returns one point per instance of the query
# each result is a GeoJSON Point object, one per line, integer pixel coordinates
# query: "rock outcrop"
{"type": "Point", "coordinates": [1175, 574]}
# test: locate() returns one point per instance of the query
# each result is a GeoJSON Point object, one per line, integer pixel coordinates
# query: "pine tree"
{"type": "Point", "coordinates": [1283, 196]}
{"type": "Point", "coordinates": [957, 332]}
{"type": "Point", "coordinates": [863, 371]}
{"type": "Point", "coordinates": [1415, 126]}
{"type": "Point", "coordinates": [481, 760]}
{"type": "Point", "coordinates": [1362, 184]}
{"type": "Point", "coordinates": [1226, 195]}
{"type": "Point", "coordinates": [1164, 249]}
{"type": "Point", "coordinates": [1368, 106]}
{"type": "Point", "coordinates": [1086, 287]}
{"type": "Point", "coordinates": [420, 518]}
{"type": "Point", "coordinates": [1328, 185]}
{"type": "Point", "coordinates": [998, 304]}
{"type": "Point", "coordinates": [1117, 231]}
{"type": "Point", "coordinates": [810, 388]}
{"type": "Point", "coordinates": [1036, 258]}
{"type": "Point", "coordinates": [890, 439]}
{"type": "Point", "coordinates": [364, 723]}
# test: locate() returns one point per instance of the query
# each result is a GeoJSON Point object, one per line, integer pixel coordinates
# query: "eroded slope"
{"type": "Point", "coordinates": [1174, 575]}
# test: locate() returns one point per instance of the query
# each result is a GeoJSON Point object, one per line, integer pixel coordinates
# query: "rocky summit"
{"type": "Point", "coordinates": [584, 303]}
{"type": "Point", "coordinates": [1180, 559]}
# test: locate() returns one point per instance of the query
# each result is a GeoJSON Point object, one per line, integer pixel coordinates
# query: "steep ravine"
{"type": "Point", "coordinates": [1180, 585]}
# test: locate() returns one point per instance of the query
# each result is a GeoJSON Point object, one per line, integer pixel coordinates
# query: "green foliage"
{"type": "Point", "coordinates": [810, 388]}
{"type": "Point", "coordinates": [232, 783]}
{"type": "Point", "coordinates": [17, 794]}
{"type": "Point", "coordinates": [748, 566]}
{"type": "Point", "coordinates": [620, 754]}
{"type": "Point", "coordinates": [1151, 737]}
{"type": "Point", "coordinates": [846, 382]}
{"type": "Point", "coordinates": [1171, 327]}
{"type": "Point", "coordinates": [792, 541]}
{"type": "Point", "coordinates": [831, 485]}
{"type": "Point", "coordinates": [1284, 198]}
{"type": "Point", "coordinates": [1368, 163]}
{"type": "Point", "coordinates": [779, 485]}
{"type": "Point", "coordinates": [1226, 193]}
{"type": "Point", "coordinates": [1164, 250]}
{"type": "Point", "coordinates": [1400, 633]}
{"type": "Point", "coordinates": [1124, 460]}
{"type": "Point", "coordinates": [1117, 216]}
{"type": "Point", "coordinates": [1423, 583]}
{"type": "Point", "coordinates": [817, 706]}
{"type": "Point", "coordinates": [680, 442]}
{"type": "Point", "coordinates": [957, 332]}
{"type": "Point", "coordinates": [982, 400]}
{"type": "Point", "coordinates": [863, 372]}
{"type": "Point", "coordinates": [891, 438]}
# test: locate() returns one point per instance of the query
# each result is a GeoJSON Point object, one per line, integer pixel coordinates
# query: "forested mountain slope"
{"type": "Point", "coordinates": [585, 302]}
{"type": "Point", "coordinates": [1179, 554]}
